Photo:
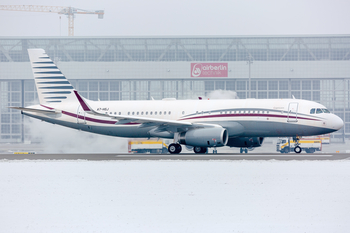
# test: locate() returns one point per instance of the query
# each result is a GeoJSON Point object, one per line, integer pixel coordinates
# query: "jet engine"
{"type": "Point", "coordinates": [245, 142]}
{"type": "Point", "coordinates": [208, 137]}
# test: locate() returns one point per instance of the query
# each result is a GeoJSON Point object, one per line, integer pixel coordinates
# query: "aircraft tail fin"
{"type": "Point", "coordinates": [52, 86]}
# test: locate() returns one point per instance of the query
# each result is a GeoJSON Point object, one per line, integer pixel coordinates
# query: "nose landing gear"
{"type": "Point", "coordinates": [297, 148]}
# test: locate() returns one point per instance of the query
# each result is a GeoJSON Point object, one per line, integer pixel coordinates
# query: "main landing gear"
{"type": "Point", "coordinates": [174, 148]}
{"type": "Point", "coordinates": [200, 150]}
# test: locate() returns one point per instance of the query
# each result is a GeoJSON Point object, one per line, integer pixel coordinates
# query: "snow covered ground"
{"type": "Point", "coordinates": [174, 196]}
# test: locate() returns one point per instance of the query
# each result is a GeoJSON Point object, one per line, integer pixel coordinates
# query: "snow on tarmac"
{"type": "Point", "coordinates": [174, 196]}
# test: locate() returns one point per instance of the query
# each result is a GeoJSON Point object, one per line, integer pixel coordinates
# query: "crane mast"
{"type": "Point", "coordinates": [69, 11]}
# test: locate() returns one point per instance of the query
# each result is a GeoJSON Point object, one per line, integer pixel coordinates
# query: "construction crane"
{"type": "Point", "coordinates": [64, 10]}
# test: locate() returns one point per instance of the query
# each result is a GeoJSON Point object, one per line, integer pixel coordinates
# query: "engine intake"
{"type": "Point", "coordinates": [208, 137]}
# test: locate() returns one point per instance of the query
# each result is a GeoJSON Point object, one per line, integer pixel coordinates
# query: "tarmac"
{"type": "Point", "coordinates": [189, 156]}
{"type": "Point", "coordinates": [333, 151]}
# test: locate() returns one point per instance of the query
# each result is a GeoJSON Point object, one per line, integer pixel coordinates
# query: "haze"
{"type": "Point", "coordinates": [179, 17]}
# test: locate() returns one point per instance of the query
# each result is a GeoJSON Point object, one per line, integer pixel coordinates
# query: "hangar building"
{"type": "Point", "coordinates": [313, 67]}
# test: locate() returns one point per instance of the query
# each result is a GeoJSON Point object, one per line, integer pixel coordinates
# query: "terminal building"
{"type": "Point", "coordinates": [313, 67]}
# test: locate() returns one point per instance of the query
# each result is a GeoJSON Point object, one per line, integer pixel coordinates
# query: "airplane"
{"type": "Point", "coordinates": [200, 124]}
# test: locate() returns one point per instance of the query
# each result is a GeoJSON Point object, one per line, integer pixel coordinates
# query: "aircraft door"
{"type": "Point", "coordinates": [81, 115]}
{"type": "Point", "coordinates": [292, 112]}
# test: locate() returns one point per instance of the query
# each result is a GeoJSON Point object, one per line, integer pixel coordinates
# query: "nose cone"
{"type": "Point", "coordinates": [337, 122]}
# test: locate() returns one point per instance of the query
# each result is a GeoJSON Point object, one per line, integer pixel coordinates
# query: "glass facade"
{"type": "Point", "coordinates": [310, 54]}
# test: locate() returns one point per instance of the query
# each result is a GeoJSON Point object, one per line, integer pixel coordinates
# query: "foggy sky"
{"type": "Point", "coordinates": [180, 17]}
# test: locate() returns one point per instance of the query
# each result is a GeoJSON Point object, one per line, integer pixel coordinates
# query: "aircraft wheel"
{"type": "Point", "coordinates": [174, 148]}
{"type": "Point", "coordinates": [199, 150]}
{"type": "Point", "coordinates": [297, 149]}
{"type": "Point", "coordinates": [178, 148]}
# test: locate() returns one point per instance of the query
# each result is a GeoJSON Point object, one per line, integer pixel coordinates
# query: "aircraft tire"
{"type": "Point", "coordinates": [297, 149]}
{"type": "Point", "coordinates": [199, 150]}
{"type": "Point", "coordinates": [178, 148]}
{"type": "Point", "coordinates": [174, 148]}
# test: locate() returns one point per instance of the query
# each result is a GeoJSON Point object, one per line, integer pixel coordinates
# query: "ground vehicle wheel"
{"type": "Point", "coordinates": [199, 150]}
{"type": "Point", "coordinates": [311, 150]}
{"type": "Point", "coordinates": [246, 150]}
{"type": "Point", "coordinates": [174, 148]}
{"type": "Point", "coordinates": [286, 150]}
{"type": "Point", "coordinates": [297, 149]}
{"type": "Point", "coordinates": [241, 150]}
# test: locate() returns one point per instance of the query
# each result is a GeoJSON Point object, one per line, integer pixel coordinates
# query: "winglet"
{"type": "Point", "coordinates": [83, 104]}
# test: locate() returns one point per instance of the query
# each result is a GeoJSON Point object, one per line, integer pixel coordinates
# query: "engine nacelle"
{"type": "Point", "coordinates": [208, 137]}
{"type": "Point", "coordinates": [245, 142]}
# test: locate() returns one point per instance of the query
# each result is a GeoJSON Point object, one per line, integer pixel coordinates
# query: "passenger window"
{"type": "Point", "coordinates": [141, 113]}
{"type": "Point", "coordinates": [133, 113]}
{"type": "Point", "coordinates": [164, 112]}
{"type": "Point", "coordinates": [326, 110]}
{"type": "Point", "coordinates": [137, 113]}
{"type": "Point", "coordinates": [150, 113]}
{"type": "Point", "coordinates": [160, 113]}
{"type": "Point", "coordinates": [155, 113]}
{"type": "Point", "coordinates": [169, 113]}
{"type": "Point", "coordinates": [318, 111]}
{"type": "Point", "coordinates": [312, 111]}
{"type": "Point", "coordinates": [120, 113]}
{"type": "Point", "coordinates": [128, 113]}
{"type": "Point", "coordinates": [146, 113]}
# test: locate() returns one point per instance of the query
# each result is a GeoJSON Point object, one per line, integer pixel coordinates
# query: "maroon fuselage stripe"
{"type": "Point", "coordinates": [90, 119]}
{"type": "Point", "coordinates": [190, 118]}
{"type": "Point", "coordinates": [248, 115]}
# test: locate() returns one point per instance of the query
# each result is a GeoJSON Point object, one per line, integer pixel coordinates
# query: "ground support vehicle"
{"type": "Point", "coordinates": [286, 145]}
{"type": "Point", "coordinates": [147, 146]}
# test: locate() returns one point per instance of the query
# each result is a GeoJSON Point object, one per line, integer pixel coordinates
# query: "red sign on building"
{"type": "Point", "coordinates": [209, 70]}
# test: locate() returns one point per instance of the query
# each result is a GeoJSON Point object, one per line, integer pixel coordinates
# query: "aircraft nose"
{"type": "Point", "coordinates": [338, 123]}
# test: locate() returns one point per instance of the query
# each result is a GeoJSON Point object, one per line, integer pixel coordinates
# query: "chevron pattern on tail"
{"type": "Point", "coordinates": [52, 86]}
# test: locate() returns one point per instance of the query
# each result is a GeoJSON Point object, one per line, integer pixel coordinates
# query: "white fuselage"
{"type": "Point", "coordinates": [241, 117]}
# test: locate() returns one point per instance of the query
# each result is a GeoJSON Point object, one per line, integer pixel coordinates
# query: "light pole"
{"type": "Point", "coordinates": [249, 81]}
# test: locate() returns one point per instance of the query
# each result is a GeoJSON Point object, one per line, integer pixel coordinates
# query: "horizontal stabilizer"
{"type": "Point", "coordinates": [36, 110]}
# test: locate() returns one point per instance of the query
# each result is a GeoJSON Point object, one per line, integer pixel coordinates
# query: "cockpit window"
{"type": "Point", "coordinates": [319, 110]}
